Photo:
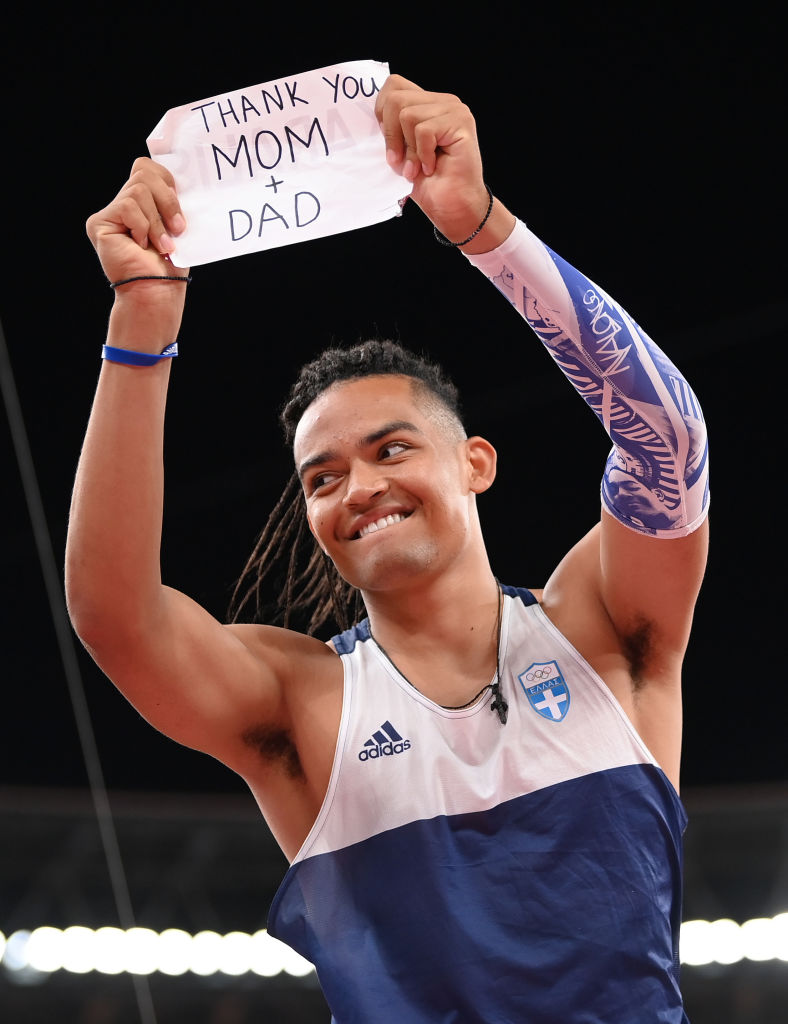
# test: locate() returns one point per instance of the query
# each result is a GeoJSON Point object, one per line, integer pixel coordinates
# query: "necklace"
{"type": "Point", "coordinates": [499, 704]}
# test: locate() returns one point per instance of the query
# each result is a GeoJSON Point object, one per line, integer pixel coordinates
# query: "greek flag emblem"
{"type": "Point", "coordinates": [546, 689]}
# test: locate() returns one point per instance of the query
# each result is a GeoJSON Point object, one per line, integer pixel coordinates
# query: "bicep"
{"type": "Point", "coordinates": [199, 682]}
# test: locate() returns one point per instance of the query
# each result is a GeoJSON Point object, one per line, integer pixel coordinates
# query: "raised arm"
{"type": "Point", "coordinates": [655, 481]}
{"type": "Point", "coordinates": [639, 570]}
{"type": "Point", "coordinates": [199, 682]}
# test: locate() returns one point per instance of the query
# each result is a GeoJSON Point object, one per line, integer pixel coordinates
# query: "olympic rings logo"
{"type": "Point", "coordinates": [540, 673]}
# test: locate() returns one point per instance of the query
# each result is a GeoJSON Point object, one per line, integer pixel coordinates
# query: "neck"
{"type": "Point", "coordinates": [447, 645]}
{"type": "Point", "coordinates": [454, 615]}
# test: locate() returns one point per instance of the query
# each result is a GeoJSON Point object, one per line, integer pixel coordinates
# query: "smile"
{"type": "Point", "coordinates": [381, 524]}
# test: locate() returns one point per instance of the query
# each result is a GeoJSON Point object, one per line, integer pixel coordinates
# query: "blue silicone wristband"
{"type": "Point", "coordinates": [130, 358]}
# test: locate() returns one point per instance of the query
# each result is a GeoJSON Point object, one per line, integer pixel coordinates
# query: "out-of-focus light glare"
{"type": "Point", "coordinates": [45, 949]}
{"type": "Point", "coordinates": [780, 923]}
{"type": "Point", "coordinates": [757, 937]}
{"type": "Point", "coordinates": [726, 941]}
{"type": "Point", "coordinates": [694, 945]}
{"type": "Point", "coordinates": [236, 954]}
{"type": "Point", "coordinates": [175, 950]}
{"type": "Point", "coordinates": [15, 954]}
{"type": "Point", "coordinates": [205, 953]}
{"type": "Point", "coordinates": [78, 955]}
{"type": "Point", "coordinates": [109, 950]}
{"type": "Point", "coordinates": [266, 957]}
{"type": "Point", "coordinates": [293, 963]}
{"type": "Point", "coordinates": [141, 951]}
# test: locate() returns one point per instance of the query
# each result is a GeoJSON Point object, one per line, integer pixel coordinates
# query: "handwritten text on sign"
{"type": "Point", "coordinates": [277, 163]}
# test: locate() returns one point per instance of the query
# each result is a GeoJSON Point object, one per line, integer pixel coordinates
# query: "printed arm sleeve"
{"type": "Point", "coordinates": [656, 477]}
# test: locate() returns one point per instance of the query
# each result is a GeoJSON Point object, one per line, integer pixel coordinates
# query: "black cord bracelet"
{"type": "Point", "coordinates": [151, 277]}
{"type": "Point", "coordinates": [445, 241]}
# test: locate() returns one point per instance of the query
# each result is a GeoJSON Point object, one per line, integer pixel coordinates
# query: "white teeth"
{"type": "Point", "coordinates": [381, 524]}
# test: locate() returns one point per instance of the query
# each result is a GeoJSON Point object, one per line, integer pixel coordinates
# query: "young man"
{"type": "Point", "coordinates": [477, 785]}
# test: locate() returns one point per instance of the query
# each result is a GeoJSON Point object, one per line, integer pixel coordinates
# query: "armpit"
{"type": "Point", "coordinates": [275, 745]}
{"type": "Point", "coordinates": [638, 646]}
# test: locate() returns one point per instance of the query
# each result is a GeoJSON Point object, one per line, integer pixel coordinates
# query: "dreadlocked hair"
{"type": "Point", "coordinates": [311, 591]}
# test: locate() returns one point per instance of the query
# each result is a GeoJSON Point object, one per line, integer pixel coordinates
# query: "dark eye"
{"type": "Point", "coordinates": [320, 480]}
{"type": "Point", "coordinates": [393, 448]}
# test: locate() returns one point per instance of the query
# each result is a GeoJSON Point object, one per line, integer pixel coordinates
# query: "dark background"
{"type": "Point", "coordinates": [643, 147]}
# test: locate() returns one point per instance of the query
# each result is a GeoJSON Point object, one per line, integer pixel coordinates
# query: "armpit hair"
{"type": "Point", "coordinates": [275, 745]}
{"type": "Point", "coordinates": [638, 645]}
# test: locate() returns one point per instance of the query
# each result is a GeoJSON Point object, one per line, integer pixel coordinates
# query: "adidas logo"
{"type": "Point", "coordinates": [383, 743]}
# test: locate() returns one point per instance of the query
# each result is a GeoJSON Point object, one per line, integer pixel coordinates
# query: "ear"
{"type": "Point", "coordinates": [482, 460]}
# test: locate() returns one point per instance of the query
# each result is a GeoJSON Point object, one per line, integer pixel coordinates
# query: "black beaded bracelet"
{"type": "Point", "coordinates": [151, 277]}
{"type": "Point", "coordinates": [445, 241]}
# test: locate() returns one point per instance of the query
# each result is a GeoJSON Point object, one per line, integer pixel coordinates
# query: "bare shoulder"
{"type": "Point", "coordinates": [304, 665]}
{"type": "Point", "coordinates": [287, 644]}
{"type": "Point", "coordinates": [206, 685]}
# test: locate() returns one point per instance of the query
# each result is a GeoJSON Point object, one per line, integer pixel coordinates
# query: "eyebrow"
{"type": "Point", "coordinates": [377, 435]}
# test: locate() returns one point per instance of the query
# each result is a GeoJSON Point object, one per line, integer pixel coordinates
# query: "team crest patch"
{"type": "Point", "coordinates": [546, 689]}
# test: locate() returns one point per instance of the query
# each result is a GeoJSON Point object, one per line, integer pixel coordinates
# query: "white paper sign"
{"type": "Point", "coordinates": [282, 162]}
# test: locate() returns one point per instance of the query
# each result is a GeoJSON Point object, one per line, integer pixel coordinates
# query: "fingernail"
{"type": "Point", "coordinates": [166, 244]}
{"type": "Point", "coordinates": [391, 158]}
{"type": "Point", "coordinates": [178, 223]}
{"type": "Point", "coordinates": [410, 170]}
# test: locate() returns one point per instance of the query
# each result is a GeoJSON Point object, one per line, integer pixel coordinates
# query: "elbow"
{"type": "Point", "coordinates": [665, 497]}
{"type": "Point", "coordinates": [104, 613]}
{"type": "Point", "coordinates": [106, 631]}
{"type": "Point", "coordinates": [92, 619]}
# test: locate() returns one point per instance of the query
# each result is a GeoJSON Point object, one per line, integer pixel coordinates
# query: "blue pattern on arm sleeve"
{"type": "Point", "coordinates": [655, 480]}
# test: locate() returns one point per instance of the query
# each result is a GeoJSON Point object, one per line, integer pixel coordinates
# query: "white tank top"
{"type": "Point", "coordinates": [461, 869]}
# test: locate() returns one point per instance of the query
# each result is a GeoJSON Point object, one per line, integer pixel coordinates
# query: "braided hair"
{"type": "Point", "coordinates": [311, 591]}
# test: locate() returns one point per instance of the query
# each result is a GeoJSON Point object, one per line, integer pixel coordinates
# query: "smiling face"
{"type": "Point", "coordinates": [390, 481]}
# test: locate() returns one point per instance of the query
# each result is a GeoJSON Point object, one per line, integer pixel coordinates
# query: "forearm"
{"type": "Point", "coordinates": [655, 480]}
{"type": "Point", "coordinates": [112, 553]}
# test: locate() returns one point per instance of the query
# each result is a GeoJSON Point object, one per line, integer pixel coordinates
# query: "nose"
{"type": "Point", "coordinates": [365, 482]}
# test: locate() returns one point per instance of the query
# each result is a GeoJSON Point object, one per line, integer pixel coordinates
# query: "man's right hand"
{"type": "Point", "coordinates": [134, 233]}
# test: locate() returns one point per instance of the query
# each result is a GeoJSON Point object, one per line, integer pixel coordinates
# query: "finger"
{"type": "Point", "coordinates": [416, 124]}
{"type": "Point", "coordinates": [152, 181]}
{"type": "Point", "coordinates": [124, 216]}
{"type": "Point", "coordinates": [393, 84]}
{"type": "Point", "coordinates": [134, 212]}
{"type": "Point", "coordinates": [433, 128]}
{"type": "Point", "coordinates": [396, 93]}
